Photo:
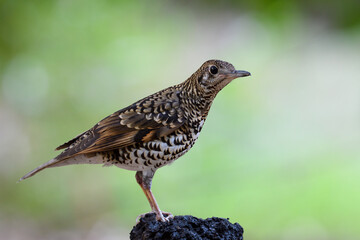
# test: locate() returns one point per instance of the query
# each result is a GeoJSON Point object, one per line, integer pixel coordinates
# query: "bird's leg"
{"type": "Point", "coordinates": [144, 179]}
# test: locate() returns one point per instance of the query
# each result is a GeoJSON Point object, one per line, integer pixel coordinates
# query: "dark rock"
{"type": "Point", "coordinates": [186, 228]}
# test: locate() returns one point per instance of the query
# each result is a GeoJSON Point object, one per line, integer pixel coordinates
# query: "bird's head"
{"type": "Point", "coordinates": [214, 75]}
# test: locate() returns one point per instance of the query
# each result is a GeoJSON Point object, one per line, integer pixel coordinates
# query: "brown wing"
{"type": "Point", "coordinates": [67, 144]}
{"type": "Point", "coordinates": [148, 119]}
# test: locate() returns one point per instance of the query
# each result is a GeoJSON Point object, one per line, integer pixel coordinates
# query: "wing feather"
{"type": "Point", "coordinates": [131, 125]}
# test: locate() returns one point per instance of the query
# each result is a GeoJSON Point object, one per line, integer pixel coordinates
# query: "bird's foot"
{"type": "Point", "coordinates": [168, 216]}
{"type": "Point", "coordinates": [162, 216]}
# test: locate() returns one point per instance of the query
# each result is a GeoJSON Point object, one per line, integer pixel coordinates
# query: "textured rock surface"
{"type": "Point", "coordinates": [186, 228]}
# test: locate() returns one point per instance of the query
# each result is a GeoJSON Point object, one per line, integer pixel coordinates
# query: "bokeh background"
{"type": "Point", "coordinates": [279, 153]}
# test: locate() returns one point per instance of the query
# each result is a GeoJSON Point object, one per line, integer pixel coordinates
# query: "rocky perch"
{"type": "Point", "coordinates": [186, 228]}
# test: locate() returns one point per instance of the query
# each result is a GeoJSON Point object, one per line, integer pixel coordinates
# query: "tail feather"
{"type": "Point", "coordinates": [55, 162]}
{"type": "Point", "coordinates": [39, 168]}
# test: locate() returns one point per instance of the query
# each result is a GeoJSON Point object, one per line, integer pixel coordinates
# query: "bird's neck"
{"type": "Point", "coordinates": [198, 100]}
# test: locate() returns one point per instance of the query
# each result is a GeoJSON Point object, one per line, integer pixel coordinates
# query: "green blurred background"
{"type": "Point", "coordinates": [279, 152]}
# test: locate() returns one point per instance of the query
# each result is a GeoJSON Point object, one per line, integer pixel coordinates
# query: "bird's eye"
{"type": "Point", "coordinates": [213, 70]}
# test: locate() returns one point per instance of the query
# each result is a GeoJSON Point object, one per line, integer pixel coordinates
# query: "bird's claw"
{"type": "Point", "coordinates": [159, 217]}
{"type": "Point", "coordinates": [139, 217]}
{"type": "Point", "coordinates": [162, 218]}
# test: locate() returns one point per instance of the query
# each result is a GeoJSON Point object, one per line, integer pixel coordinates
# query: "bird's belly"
{"type": "Point", "coordinates": [153, 154]}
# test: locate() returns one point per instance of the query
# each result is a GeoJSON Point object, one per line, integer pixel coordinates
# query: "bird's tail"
{"type": "Point", "coordinates": [39, 168]}
{"type": "Point", "coordinates": [55, 162]}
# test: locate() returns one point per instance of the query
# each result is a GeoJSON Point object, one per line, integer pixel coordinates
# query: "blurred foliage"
{"type": "Point", "coordinates": [279, 152]}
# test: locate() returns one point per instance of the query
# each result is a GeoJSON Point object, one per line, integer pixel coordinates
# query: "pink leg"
{"type": "Point", "coordinates": [144, 180]}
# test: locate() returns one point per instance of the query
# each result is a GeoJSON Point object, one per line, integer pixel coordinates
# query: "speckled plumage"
{"type": "Point", "coordinates": [153, 131]}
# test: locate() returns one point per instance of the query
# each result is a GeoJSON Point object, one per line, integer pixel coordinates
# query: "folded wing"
{"type": "Point", "coordinates": [150, 118]}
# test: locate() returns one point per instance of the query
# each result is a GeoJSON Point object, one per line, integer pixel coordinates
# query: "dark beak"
{"type": "Point", "coordinates": [240, 73]}
{"type": "Point", "coordinates": [236, 74]}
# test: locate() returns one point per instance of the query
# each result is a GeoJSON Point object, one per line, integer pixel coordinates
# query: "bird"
{"type": "Point", "coordinates": [152, 132]}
